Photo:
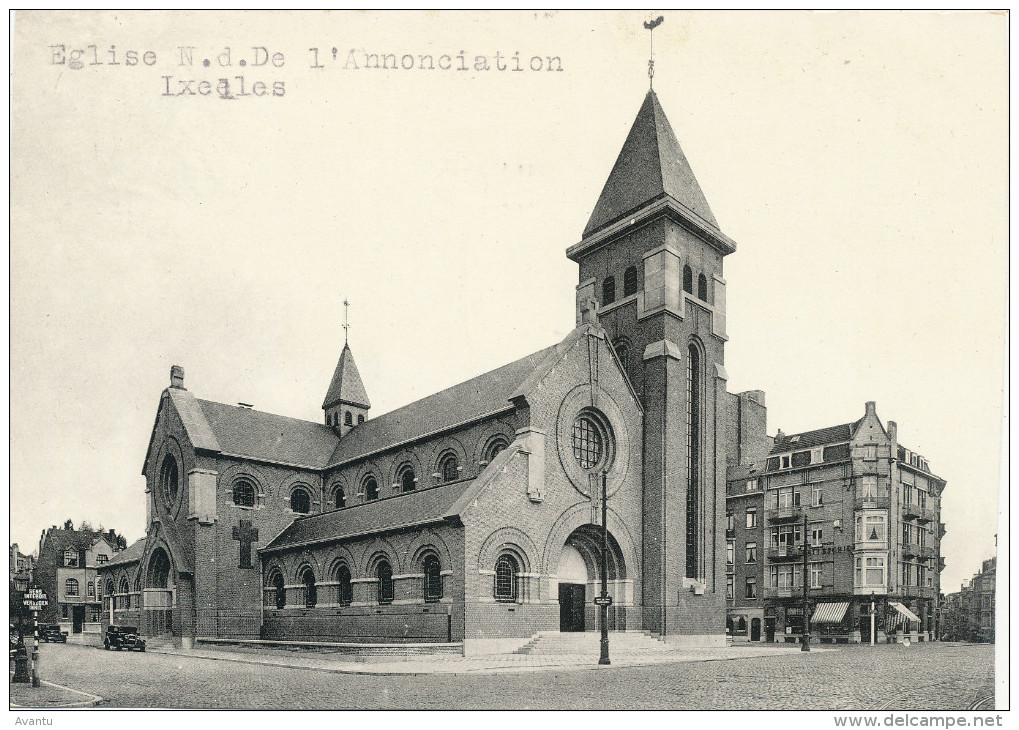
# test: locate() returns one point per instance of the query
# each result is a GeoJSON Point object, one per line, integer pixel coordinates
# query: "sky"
{"type": "Point", "coordinates": [858, 159]}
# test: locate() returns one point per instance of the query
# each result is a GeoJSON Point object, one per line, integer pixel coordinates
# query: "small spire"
{"type": "Point", "coordinates": [346, 324]}
{"type": "Point", "coordinates": [651, 25]}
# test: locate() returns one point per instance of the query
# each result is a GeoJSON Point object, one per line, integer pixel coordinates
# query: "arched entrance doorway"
{"type": "Point", "coordinates": [579, 575]}
{"type": "Point", "coordinates": [755, 629]}
{"type": "Point", "coordinates": [157, 598]}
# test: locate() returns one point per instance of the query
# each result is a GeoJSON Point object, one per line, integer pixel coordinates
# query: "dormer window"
{"type": "Point", "coordinates": [71, 558]}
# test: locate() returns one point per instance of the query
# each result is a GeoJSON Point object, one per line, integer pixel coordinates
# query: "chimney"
{"type": "Point", "coordinates": [177, 377]}
{"type": "Point", "coordinates": [871, 408]}
{"type": "Point", "coordinates": [893, 431]}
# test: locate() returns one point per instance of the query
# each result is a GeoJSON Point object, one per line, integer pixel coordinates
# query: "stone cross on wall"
{"type": "Point", "coordinates": [246, 535]}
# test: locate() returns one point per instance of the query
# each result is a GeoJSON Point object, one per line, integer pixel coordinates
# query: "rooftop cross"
{"type": "Point", "coordinates": [651, 25]}
{"type": "Point", "coordinates": [346, 324]}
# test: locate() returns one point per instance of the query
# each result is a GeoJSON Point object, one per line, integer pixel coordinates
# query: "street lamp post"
{"type": "Point", "coordinates": [805, 646]}
{"type": "Point", "coordinates": [873, 616]}
{"type": "Point", "coordinates": [603, 604]}
{"type": "Point", "coordinates": [21, 673]}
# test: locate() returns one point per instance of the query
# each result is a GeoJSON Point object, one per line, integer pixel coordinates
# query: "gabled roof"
{"type": "Point", "coordinates": [131, 555]}
{"type": "Point", "coordinates": [651, 165]}
{"type": "Point", "coordinates": [484, 395]}
{"type": "Point", "coordinates": [406, 510]}
{"type": "Point", "coordinates": [59, 539]}
{"type": "Point", "coordinates": [346, 385]}
{"type": "Point", "coordinates": [258, 435]}
{"type": "Point", "coordinates": [808, 439]}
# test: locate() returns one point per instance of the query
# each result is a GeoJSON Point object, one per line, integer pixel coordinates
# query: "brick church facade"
{"type": "Point", "coordinates": [473, 515]}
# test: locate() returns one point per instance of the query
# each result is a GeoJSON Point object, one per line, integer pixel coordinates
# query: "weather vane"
{"type": "Point", "coordinates": [346, 325]}
{"type": "Point", "coordinates": [651, 25]}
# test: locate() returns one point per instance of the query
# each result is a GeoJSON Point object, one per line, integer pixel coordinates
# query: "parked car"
{"type": "Point", "coordinates": [52, 632]}
{"type": "Point", "coordinates": [123, 637]}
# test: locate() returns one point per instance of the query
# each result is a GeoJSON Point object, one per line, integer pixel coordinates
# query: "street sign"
{"type": "Point", "coordinates": [35, 605]}
{"type": "Point", "coordinates": [603, 601]}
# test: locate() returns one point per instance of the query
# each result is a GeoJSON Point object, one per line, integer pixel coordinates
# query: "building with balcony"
{"type": "Point", "coordinates": [855, 515]}
{"type": "Point", "coordinates": [968, 614]}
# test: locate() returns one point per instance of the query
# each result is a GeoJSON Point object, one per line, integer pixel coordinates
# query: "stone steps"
{"type": "Point", "coordinates": [589, 642]}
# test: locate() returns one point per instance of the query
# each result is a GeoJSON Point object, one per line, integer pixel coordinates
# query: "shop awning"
{"type": "Point", "coordinates": [906, 613]}
{"type": "Point", "coordinates": [830, 613]}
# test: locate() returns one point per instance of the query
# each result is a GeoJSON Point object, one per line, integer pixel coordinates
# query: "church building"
{"type": "Point", "coordinates": [472, 517]}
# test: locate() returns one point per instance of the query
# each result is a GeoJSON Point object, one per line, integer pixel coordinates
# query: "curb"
{"type": "Point", "coordinates": [92, 700]}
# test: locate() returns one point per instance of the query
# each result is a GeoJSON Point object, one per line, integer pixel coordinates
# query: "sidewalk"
{"type": "Point", "coordinates": [49, 696]}
{"type": "Point", "coordinates": [488, 664]}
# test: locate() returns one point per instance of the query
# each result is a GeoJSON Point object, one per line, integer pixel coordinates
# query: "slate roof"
{"type": "Point", "coordinates": [650, 166]}
{"type": "Point", "coordinates": [266, 436]}
{"type": "Point", "coordinates": [480, 396]}
{"type": "Point", "coordinates": [808, 439]}
{"type": "Point", "coordinates": [132, 554]}
{"type": "Point", "coordinates": [405, 510]}
{"type": "Point", "coordinates": [346, 385]}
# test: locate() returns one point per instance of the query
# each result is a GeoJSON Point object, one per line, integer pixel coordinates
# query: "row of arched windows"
{"type": "Point", "coordinates": [275, 589]}
{"type": "Point", "coordinates": [246, 494]}
{"type": "Point", "coordinates": [333, 419]}
{"type": "Point", "coordinates": [630, 285]}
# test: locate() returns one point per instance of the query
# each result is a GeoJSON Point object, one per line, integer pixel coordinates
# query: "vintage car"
{"type": "Point", "coordinates": [123, 637]}
{"type": "Point", "coordinates": [52, 632]}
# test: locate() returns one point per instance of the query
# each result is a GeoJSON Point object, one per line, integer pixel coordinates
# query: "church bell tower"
{"type": "Point", "coordinates": [651, 274]}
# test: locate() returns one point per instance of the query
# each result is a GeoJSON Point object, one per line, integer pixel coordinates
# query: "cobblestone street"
{"type": "Point", "coordinates": [922, 677]}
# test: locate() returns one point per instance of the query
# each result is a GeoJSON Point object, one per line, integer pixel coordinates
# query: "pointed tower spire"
{"type": "Point", "coordinates": [346, 403]}
{"type": "Point", "coordinates": [651, 166]}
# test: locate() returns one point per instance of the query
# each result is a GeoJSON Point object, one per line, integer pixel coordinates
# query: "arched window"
{"type": "Point", "coordinates": [494, 447]}
{"type": "Point", "coordinates": [348, 418]}
{"type": "Point", "coordinates": [741, 625]}
{"type": "Point", "coordinates": [630, 281]}
{"type": "Point", "coordinates": [275, 591]}
{"type": "Point", "coordinates": [169, 479]}
{"type": "Point", "coordinates": [310, 591]}
{"type": "Point", "coordinates": [371, 488]}
{"type": "Point", "coordinates": [608, 290]}
{"type": "Point", "coordinates": [125, 590]}
{"type": "Point", "coordinates": [449, 468]}
{"type": "Point", "coordinates": [244, 493]}
{"type": "Point", "coordinates": [300, 501]}
{"type": "Point", "coordinates": [506, 578]}
{"type": "Point", "coordinates": [407, 480]}
{"type": "Point", "coordinates": [693, 458]}
{"type": "Point", "coordinates": [360, 418]}
{"type": "Point", "coordinates": [687, 280]}
{"type": "Point", "coordinates": [728, 626]}
{"type": "Point", "coordinates": [345, 588]}
{"type": "Point", "coordinates": [70, 587]}
{"type": "Point", "coordinates": [702, 288]}
{"type": "Point", "coordinates": [384, 575]}
{"type": "Point", "coordinates": [339, 498]}
{"type": "Point", "coordinates": [433, 578]}
{"type": "Point", "coordinates": [622, 347]}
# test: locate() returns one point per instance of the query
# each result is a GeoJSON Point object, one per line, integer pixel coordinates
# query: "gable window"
{"type": "Point", "coordinates": [384, 575]}
{"type": "Point", "coordinates": [702, 288]}
{"type": "Point", "coordinates": [630, 281]}
{"type": "Point", "coordinates": [371, 488]}
{"type": "Point", "coordinates": [506, 578]}
{"type": "Point", "coordinates": [870, 452]}
{"type": "Point", "coordinates": [300, 501]}
{"type": "Point", "coordinates": [244, 493]}
{"type": "Point", "coordinates": [70, 587]}
{"type": "Point", "coordinates": [170, 480]}
{"type": "Point", "coordinates": [433, 578]}
{"type": "Point", "coordinates": [71, 558]}
{"type": "Point", "coordinates": [339, 499]}
{"type": "Point", "coordinates": [608, 290]}
{"type": "Point", "coordinates": [102, 558]}
{"type": "Point", "coordinates": [449, 468]}
{"type": "Point", "coordinates": [687, 280]}
{"type": "Point", "coordinates": [407, 480]}
{"type": "Point", "coordinates": [346, 589]}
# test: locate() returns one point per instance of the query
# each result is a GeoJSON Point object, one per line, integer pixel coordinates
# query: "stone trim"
{"type": "Point", "coordinates": [663, 348]}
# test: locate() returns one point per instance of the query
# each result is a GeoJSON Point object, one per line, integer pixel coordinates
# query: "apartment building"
{"type": "Point", "coordinates": [851, 512]}
{"type": "Point", "coordinates": [968, 614]}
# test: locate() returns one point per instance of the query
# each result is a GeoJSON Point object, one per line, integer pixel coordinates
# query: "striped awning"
{"type": "Point", "coordinates": [906, 613]}
{"type": "Point", "coordinates": [830, 613]}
